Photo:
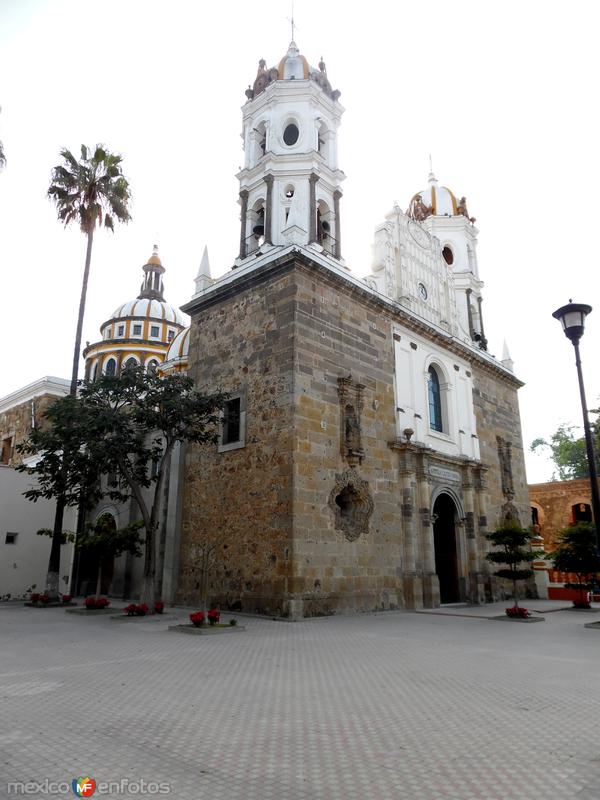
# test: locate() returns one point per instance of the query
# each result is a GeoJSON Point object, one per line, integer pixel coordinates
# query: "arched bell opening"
{"type": "Point", "coordinates": [325, 228]}
{"type": "Point", "coordinates": [256, 227]}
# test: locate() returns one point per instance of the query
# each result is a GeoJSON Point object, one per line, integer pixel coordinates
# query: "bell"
{"type": "Point", "coordinates": [259, 229]}
{"type": "Point", "coordinates": [325, 228]}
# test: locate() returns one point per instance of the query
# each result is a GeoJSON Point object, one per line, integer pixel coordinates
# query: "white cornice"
{"type": "Point", "coordinates": [58, 387]}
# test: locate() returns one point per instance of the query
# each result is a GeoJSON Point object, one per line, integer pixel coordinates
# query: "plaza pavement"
{"type": "Point", "coordinates": [385, 706]}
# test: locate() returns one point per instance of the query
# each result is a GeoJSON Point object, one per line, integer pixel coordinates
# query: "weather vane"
{"type": "Point", "coordinates": [291, 20]}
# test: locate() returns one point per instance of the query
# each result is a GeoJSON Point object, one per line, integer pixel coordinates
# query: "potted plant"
{"type": "Point", "coordinates": [213, 616]}
{"type": "Point", "coordinates": [159, 607]}
{"type": "Point", "coordinates": [66, 598]}
{"type": "Point", "coordinates": [197, 619]}
{"type": "Point", "coordinates": [575, 553]}
{"type": "Point", "coordinates": [44, 599]}
{"type": "Point", "coordinates": [35, 598]}
{"type": "Point", "coordinates": [513, 545]}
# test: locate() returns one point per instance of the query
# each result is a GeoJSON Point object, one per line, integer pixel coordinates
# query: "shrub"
{"type": "Point", "coordinates": [213, 615]}
{"type": "Point", "coordinates": [35, 597]}
{"type": "Point", "coordinates": [518, 611]}
{"type": "Point", "coordinates": [44, 598]}
{"type": "Point", "coordinates": [141, 610]}
{"type": "Point", "coordinates": [130, 609]}
{"type": "Point", "coordinates": [233, 622]}
{"type": "Point", "coordinates": [92, 603]}
{"type": "Point", "coordinates": [66, 598]}
{"type": "Point", "coordinates": [197, 618]}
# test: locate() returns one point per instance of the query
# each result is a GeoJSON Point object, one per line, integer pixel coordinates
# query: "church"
{"type": "Point", "coordinates": [370, 440]}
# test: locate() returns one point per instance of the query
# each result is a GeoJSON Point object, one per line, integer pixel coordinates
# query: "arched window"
{"type": "Point", "coordinates": [111, 367]}
{"type": "Point", "coordinates": [95, 372]}
{"type": "Point", "coordinates": [435, 401]}
{"type": "Point", "coordinates": [152, 365]}
{"type": "Point", "coordinates": [130, 363]}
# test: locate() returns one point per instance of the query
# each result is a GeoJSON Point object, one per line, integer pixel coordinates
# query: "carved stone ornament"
{"type": "Point", "coordinates": [351, 406]}
{"type": "Point", "coordinates": [505, 458]}
{"type": "Point", "coordinates": [352, 504]}
{"type": "Point", "coordinates": [420, 236]}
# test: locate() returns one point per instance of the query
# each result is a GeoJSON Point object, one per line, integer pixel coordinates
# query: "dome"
{"type": "Point", "coordinates": [437, 201]}
{"type": "Point", "coordinates": [145, 307]}
{"type": "Point", "coordinates": [180, 346]}
{"type": "Point", "coordinates": [177, 357]}
{"type": "Point", "coordinates": [293, 66]}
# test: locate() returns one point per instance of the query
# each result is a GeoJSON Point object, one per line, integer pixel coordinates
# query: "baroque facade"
{"type": "Point", "coordinates": [370, 439]}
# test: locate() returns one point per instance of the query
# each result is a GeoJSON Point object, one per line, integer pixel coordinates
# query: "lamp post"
{"type": "Point", "coordinates": [572, 318]}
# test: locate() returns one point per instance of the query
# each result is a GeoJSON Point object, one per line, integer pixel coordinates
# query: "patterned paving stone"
{"type": "Point", "coordinates": [374, 707]}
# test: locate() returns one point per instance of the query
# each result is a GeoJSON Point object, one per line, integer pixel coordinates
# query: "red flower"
{"type": "Point", "coordinates": [35, 597]}
{"type": "Point", "coordinates": [159, 606]}
{"type": "Point", "coordinates": [213, 615]}
{"type": "Point", "coordinates": [43, 598]}
{"type": "Point", "coordinates": [130, 609]}
{"type": "Point", "coordinates": [66, 598]}
{"type": "Point", "coordinates": [197, 618]}
{"type": "Point", "coordinates": [142, 610]}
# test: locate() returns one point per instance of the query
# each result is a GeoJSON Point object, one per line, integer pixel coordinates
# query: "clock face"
{"type": "Point", "coordinates": [422, 291]}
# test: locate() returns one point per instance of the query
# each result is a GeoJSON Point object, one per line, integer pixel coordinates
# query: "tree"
{"type": "Point", "coordinates": [104, 540]}
{"type": "Point", "coordinates": [513, 543]}
{"type": "Point", "coordinates": [125, 426]}
{"type": "Point", "coordinates": [576, 553]}
{"type": "Point", "coordinates": [568, 452]}
{"type": "Point", "coordinates": [94, 193]}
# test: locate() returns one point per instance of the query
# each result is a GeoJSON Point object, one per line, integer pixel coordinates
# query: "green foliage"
{"type": "Point", "coordinates": [92, 190]}
{"type": "Point", "coordinates": [513, 545]}
{"type": "Point", "coordinates": [568, 452]}
{"type": "Point", "coordinates": [67, 536]}
{"type": "Point", "coordinates": [576, 552]}
{"type": "Point", "coordinates": [125, 427]}
{"type": "Point", "coordinates": [103, 539]}
{"type": "Point", "coordinates": [119, 425]}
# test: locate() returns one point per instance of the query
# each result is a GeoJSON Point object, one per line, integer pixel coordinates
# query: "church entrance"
{"type": "Point", "coordinates": [446, 549]}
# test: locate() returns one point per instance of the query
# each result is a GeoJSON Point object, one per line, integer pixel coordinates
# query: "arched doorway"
{"type": "Point", "coordinates": [86, 575]}
{"type": "Point", "coordinates": [446, 548]}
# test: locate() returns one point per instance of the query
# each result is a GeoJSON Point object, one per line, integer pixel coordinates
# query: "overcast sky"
{"type": "Point", "coordinates": [504, 96]}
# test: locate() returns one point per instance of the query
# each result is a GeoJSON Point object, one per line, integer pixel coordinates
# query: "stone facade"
{"type": "Point", "coordinates": [16, 422]}
{"type": "Point", "coordinates": [328, 507]}
{"type": "Point", "coordinates": [554, 506]}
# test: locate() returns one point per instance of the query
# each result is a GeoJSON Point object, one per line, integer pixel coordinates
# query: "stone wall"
{"type": "Point", "coordinates": [554, 501]}
{"type": "Point", "coordinates": [16, 422]}
{"type": "Point", "coordinates": [322, 510]}
{"type": "Point", "coordinates": [237, 505]}
{"type": "Point", "coordinates": [338, 335]}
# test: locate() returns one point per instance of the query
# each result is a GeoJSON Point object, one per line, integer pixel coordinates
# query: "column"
{"type": "Point", "coordinates": [244, 216]}
{"type": "Point", "coordinates": [483, 339]}
{"type": "Point", "coordinates": [469, 292]}
{"type": "Point", "coordinates": [338, 228]}
{"type": "Point", "coordinates": [474, 580]}
{"type": "Point", "coordinates": [409, 571]}
{"type": "Point", "coordinates": [430, 581]}
{"type": "Point", "coordinates": [268, 209]}
{"type": "Point", "coordinates": [312, 183]}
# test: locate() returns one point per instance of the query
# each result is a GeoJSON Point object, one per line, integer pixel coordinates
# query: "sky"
{"type": "Point", "coordinates": [503, 96]}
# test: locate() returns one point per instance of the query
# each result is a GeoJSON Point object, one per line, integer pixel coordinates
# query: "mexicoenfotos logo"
{"type": "Point", "coordinates": [84, 786]}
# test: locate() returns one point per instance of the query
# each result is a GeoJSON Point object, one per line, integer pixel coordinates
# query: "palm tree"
{"type": "Point", "coordinates": [93, 192]}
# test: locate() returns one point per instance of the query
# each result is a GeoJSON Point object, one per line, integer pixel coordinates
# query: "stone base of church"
{"type": "Point", "coordinates": [413, 590]}
{"type": "Point", "coordinates": [431, 590]}
{"type": "Point", "coordinates": [476, 590]}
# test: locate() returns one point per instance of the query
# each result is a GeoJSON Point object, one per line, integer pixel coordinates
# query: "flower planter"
{"type": "Point", "coordinates": [206, 630]}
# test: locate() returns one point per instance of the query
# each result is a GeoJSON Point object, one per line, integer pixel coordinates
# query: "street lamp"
{"type": "Point", "coordinates": [572, 318]}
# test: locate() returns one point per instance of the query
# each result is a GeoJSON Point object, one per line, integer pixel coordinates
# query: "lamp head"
{"type": "Point", "coordinates": [572, 318]}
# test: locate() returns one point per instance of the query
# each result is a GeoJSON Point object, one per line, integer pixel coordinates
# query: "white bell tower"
{"type": "Point", "coordinates": [290, 184]}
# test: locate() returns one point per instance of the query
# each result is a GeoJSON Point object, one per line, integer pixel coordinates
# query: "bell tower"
{"type": "Point", "coordinates": [290, 186]}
